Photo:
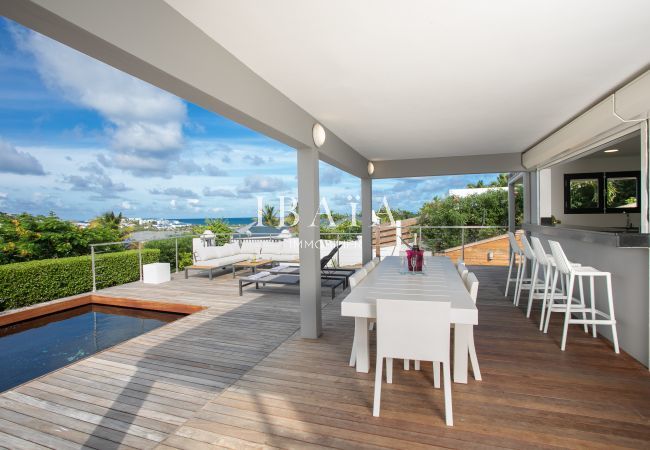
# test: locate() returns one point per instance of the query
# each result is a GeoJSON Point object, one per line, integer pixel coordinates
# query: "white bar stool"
{"type": "Point", "coordinates": [565, 267]}
{"type": "Point", "coordinates": [547, 263]}
{"type": "Point", "coordinates": [523, 282]}
{"type": "Point", "coordinates": [516, 254]}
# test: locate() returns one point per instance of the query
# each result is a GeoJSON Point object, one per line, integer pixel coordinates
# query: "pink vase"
{"type": "Point", "coordinates": [415, 259]}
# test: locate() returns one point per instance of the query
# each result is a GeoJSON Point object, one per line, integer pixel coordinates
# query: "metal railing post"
{"type": "Point", "coordinates": [140, 258]}
{"type": "Point", "coordinates": [176, 245]}
{"type": "Point", "coordinates": [92, 263]}
{"type": "Point", "coordinates": [462, 243]}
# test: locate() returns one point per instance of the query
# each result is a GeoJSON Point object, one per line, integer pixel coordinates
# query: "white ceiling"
{"type": "Point", "coordinates": [431, 77]}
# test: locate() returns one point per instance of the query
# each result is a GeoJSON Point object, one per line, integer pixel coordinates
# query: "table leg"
{"type": "Point", "coordinates": [233, 271]}
{"type": "Point", "coordinates": [461, 351]}
{"type": "Point", "coordinates": [186, 274]}
{"type": "Point", "coordinates": [362, 344]}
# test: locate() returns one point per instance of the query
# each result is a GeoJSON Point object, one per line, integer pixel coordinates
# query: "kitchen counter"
{"type": "Point", "coordinates": [613, 236]}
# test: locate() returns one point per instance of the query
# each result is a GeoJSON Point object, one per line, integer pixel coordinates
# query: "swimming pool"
{"type": "Point", "coordinates": [34, 347]}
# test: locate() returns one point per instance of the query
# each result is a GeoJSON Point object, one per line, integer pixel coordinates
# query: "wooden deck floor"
{"type": "Point", "coordinates": [237, 375]}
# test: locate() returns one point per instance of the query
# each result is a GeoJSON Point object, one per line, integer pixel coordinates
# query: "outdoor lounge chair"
{"type": "Point", "coordinates": [285, 279]}
{"type": "Point", "coordinates": [327, 273]}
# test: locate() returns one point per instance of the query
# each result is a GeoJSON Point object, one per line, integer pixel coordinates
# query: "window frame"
{"type": "Point", "coordinates": [600, 177]}
{"type": "Point", "coordinates": [624, 174]}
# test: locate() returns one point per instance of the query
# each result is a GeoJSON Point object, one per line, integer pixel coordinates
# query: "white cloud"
{"type": "Point", "coordinates": [126, 205]}
{"type": "Point", "coordinates": [330, 176]}
{"type": "Point", "coordinates": [15, 161]}
{"type": "Point", "coordinates": [145, 123]}
{"type": "Point", "coordinates": [175, 191]}
{"type": "Point", "coordinates": [259, 183]}
{"type": "Point", "coordinates": [172, 203]}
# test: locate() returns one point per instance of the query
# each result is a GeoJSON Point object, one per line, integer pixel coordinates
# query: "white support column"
{"type": "Point", "coordinates": [366, 219]}
{"type": "Point", "coordinates": [527, 198]}
{"type": "Point", "coordinates": [511, 207]}
{"type": "Point", "coordinates": [310, 284]}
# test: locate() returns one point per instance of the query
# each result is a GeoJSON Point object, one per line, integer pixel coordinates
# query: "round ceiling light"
{"type": "Point", "coordinates": [371, 168]}
{"type": "Point", "coordinates": [318, 134]}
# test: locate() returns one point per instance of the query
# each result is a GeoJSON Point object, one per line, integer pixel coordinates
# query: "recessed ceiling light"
{"type": "Point", "coordinates": [611, 150]}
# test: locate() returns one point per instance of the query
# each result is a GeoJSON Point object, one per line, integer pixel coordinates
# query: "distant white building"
{"type": "Point", "coordinates": [471, 191]}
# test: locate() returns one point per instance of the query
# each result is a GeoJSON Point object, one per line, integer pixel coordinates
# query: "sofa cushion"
{"type": "Point", "coordinates": [204, 253]}
{"type": "Point", "coordinates": [251, 247]}
{"type": "Point", "coordinates": [230, 249]}
{"type": "Point", "coordinates": [224, 261]}
{"type": "Point", "coordinates": [271, 247]}
{"type": "Point", "coordinates": [291, 246]}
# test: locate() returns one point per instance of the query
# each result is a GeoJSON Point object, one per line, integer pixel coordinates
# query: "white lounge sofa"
{"type": "Point", "coordinates": [223, 256]}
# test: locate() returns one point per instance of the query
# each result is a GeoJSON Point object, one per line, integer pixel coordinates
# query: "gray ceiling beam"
{"type": "Point", "coordinates": [152, 41]}
{"type": "Point", "coordinates": [453, 165]}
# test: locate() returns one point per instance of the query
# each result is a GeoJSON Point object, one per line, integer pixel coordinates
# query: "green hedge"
{"type": "Point", "coordinates": [31, 282]}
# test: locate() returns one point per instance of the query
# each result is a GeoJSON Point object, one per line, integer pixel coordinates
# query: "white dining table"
{"type": "Point", "coordinates": [439, 282]}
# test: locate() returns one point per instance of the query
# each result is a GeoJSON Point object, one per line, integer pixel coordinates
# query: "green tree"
{"type": "Point", "coordinates": [270, 216]}
{"type": "Point", "coordinates": [398, 214]}
{"type": "Point", "coordinates": [221, 229]}
{"type": "Point", "coordinates": [486, 209]}
{"type": "Point", "coordinates": [108, 219]}
{"type": "Point", "coordinates": [24, 237]}
{"type": "Point", "coordinates": [501, 181]}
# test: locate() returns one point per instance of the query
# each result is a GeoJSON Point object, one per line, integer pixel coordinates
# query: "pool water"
{"type": "Point", "coordinates": [37, 346]}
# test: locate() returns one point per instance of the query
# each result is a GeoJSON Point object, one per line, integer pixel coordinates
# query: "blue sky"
{"type": "Point", "coordinates": [78, 137]}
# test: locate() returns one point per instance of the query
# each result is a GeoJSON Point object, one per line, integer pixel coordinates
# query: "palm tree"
{"type": "Point", "coordinates": [501, 181]}
{"type": "Point", "coordinates": [270, 216]}
{"type": "Point", "coordinates": [109, 219]}
{"type": "Point", "coordinates": [478, 184]}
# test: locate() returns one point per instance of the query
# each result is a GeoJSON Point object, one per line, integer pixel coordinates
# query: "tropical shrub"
{"type": "Point", "coordinates": [27, 283]}
{"type": "Point", "coordinates": [24, 237]}
{"type": "Point", "coordinates": [167, 248]}
{"type": "Point", "coordinates": [221, 229]}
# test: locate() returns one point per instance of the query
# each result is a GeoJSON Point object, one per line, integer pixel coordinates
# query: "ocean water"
{"type": "Point", "coordinates": [228, 220]}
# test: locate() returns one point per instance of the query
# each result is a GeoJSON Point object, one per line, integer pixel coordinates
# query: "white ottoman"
{"type": "Point", "coordinates": [156, 273]}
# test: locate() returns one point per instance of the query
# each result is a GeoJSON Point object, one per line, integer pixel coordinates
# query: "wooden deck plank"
{"type": "Point", "coordinates": [237, 375]}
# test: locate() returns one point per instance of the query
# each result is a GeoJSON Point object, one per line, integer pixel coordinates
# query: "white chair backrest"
{"type": "Point", "coordinates": [460, 261]}
{"type": "Point", "coordinates": [362, 272]}
{"type": "Point", "coordinates": [369, 266]}
{"type": "Point", "coordinates": [462, 270]}
{"type": "Point", "coordinates": [413, 329]}
{"type": "Point", "coordinates": [376, 260]}
{"type": "Point", "coordinates": [356, 279]}
{"type": "Point", "coordinates": [471, 283]}
{"type": "Point", "coordinates": [528, 250]}
{"type": "Point", "coordinates": [514, 246]}
{"type": "Point", "coordinates": [561, 261]}
{"type": "Point", "coordinates": [540, 253]}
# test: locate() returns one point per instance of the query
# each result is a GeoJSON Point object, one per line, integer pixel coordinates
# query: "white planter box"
{"type": "Point", "coordinates": [156, 273]}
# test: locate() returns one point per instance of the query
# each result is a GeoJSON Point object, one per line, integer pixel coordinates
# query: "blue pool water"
{"type": "Point", "coordinates": [37, 346]}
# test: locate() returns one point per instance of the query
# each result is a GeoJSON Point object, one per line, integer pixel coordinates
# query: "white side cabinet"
{"type": "Point", "coordinates": [156, 273]}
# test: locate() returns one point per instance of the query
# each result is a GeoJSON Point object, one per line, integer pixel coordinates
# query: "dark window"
{"type": "Point", "coordinates": [600, 193]}
{"type": "Point", "coordinates": [622, 192]}
{"type": "Point", "coordinates": [583, 193]}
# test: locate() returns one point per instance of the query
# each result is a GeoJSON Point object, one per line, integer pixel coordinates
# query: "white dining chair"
{"type": "Point", "coordinates": [471, 284]}
{"type": "Point", "coordinates": [564, 266]}
{"type": "Point", "coordinates": [369, 266]}
{"type": "Point", "coordinates": [411, 329]}
{"type": "Point", "coordinates": [516, 256]}
{"type": "Point", "coordinates": [462, 270]}
{"type": "Point", "coordinates": [354, 281]}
